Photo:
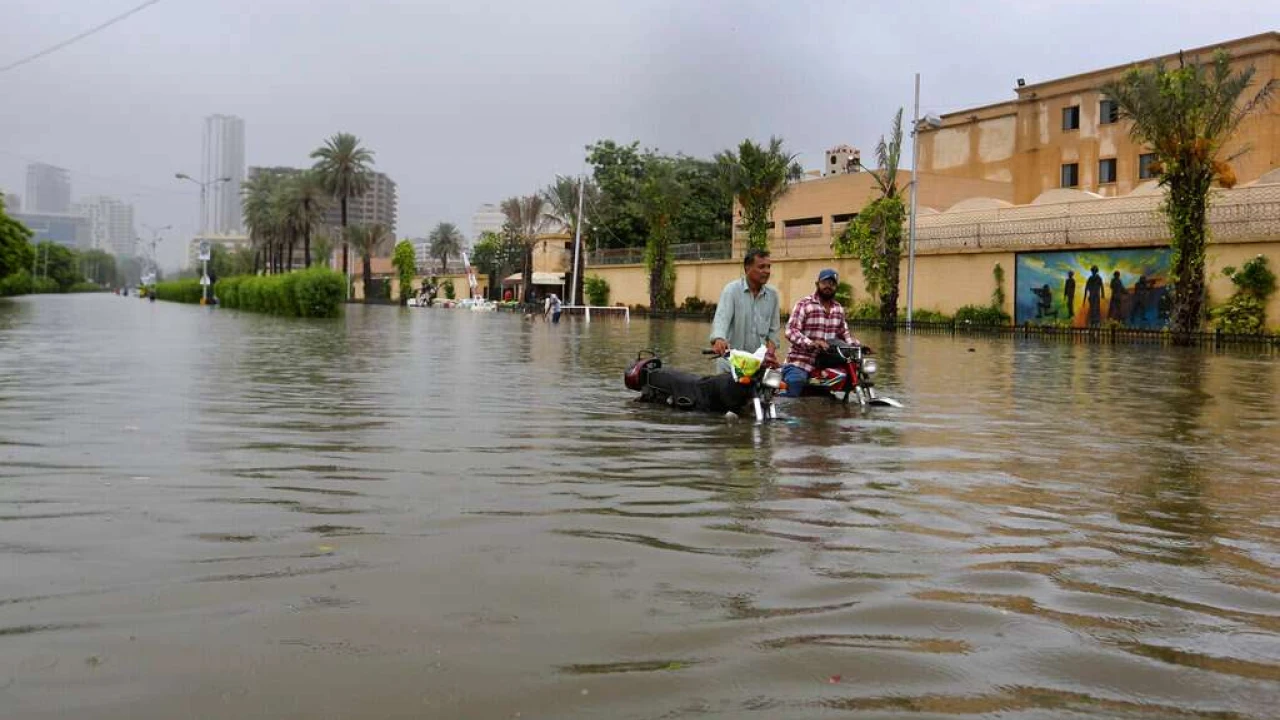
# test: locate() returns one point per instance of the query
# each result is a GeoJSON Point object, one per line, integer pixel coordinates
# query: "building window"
{"type": "Point", "coordinates": [1108, 112]}
{"type": "Point", "coordinates": [1071, 118]}
{"type": "Point", "coordinates": [1071, 175]}
{"type": "Point", "coordinates": [1107, 171]}
{"type": "Point", "coordinates": [1144, 166]}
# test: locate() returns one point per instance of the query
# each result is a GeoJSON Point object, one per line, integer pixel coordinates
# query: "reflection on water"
{"type": "Point", "coordinates": [431, 513]}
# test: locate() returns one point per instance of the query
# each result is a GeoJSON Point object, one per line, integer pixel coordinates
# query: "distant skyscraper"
{"type": "Point", "coordinates": [223, 156]}
{"type": "Point", "coordinates": [110, 224]}
{"type": "Point", "coordinates": [48, 189]}
{"type": "Point", "coordinates": [486, 218]}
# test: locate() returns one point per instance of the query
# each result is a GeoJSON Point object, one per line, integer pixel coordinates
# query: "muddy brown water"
{"type": "Point", "coordinates": [444, 514]}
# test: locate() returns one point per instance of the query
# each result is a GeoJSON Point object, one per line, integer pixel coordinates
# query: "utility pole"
{"type": "Point", "coordinates": [577, 241]}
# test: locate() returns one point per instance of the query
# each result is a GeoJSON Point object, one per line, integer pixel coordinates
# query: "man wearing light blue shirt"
{"type": "Point", "coordinates": [748, 313]}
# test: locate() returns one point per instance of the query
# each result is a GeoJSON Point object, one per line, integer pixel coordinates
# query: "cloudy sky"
{"type": "Point", "coordinates": [471, 102]}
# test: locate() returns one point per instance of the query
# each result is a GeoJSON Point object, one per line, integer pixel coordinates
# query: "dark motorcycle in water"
{"type": "Point", "coordinates": [844, 371]}
{"type": "Point", "coordinates": [731, 392]}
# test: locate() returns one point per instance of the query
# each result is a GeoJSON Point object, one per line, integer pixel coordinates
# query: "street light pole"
{"type": "Point", "coordinates": [204, 219]}
{"type": "Point", "coordinates": [933, 122]}
{"type": "Point", "coordinates": [915, 192]}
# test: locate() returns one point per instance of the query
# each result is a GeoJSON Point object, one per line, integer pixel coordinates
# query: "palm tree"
{"type": "Point", "coordinates": [1186, 115]}
{"type": "Point", "coordinates": [344, 169]}
{"type": "Point", "coordinates": [368, 240]}
{"type": "Point", "coordinates": [445, 240]}
{"type": "Point", "coordinates": [527, 216]}
{"type": "Point", "coordinates": [757, 177]}
{"type": "Point", "coordinates": [661, 195]}
{"type": "Point", "coordinates": [305, 206]}
{"type": "Point", "coordinates": [259, 214]}
{"type": "Point", "coordinates": [875, 235]}
{"type": "Point", "coordinates": [562, 197]}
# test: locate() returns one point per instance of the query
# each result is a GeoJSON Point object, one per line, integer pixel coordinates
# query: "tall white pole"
{"type": "Point", "coordinates": [577, 242]}
{"type": "Point", "coordinates": [204, 223]}
{"type": "Point", "coordinates": [915, 191]}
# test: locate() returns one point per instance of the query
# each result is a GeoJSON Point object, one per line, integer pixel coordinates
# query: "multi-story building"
{"type": "Point", "coordinates": [378, 205]}
{"type": "Point", "coordinates": [111, 225]}
{"type": "Point", "coordinates": [1063, 133]}
{"type": "Point", "coordinates": [487, 218]}
{"type": "Point", "coordinates": [222, 157]}
{"type": "Point", "coordinates": [65, 229]}
{"type": "Point", "coordinates": [48, 189]}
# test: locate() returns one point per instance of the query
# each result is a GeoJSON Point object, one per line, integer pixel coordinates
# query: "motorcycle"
{"type": "Point", "coordinates": [845, 370]}
{"type": "Point", "coordinates": [721, 393]}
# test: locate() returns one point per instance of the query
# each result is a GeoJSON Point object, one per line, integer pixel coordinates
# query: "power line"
{"type": "Point", "coordinates": [75, 38]}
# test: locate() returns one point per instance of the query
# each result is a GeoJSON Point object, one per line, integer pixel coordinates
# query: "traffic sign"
{"type": "Point", "coordinates": [206, 250]}
{"type": "Point", "coordinates": [204, 280]}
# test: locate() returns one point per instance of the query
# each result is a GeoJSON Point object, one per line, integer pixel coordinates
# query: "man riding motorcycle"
{"type": "Point", "coordinates": [816, 321]}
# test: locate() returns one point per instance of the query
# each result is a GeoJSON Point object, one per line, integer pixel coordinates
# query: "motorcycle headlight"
{"type": "Point", "coordinates": [869, 367]}
{"type": "Point", "coordinates": [771, 379]}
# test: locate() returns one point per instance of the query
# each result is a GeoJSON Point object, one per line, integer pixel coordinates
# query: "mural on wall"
{"type": "Point", "coordinates": [1089, 288]}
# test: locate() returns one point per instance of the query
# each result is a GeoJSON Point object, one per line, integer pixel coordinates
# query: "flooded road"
{"type": "Point", "coordinates": [443, 514]}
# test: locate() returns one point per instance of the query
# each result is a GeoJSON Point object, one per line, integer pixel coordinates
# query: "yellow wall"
{"type": "Point", "coordinates": [945, 280]}
{"type": "Point", "coordinates": [1023, 141]}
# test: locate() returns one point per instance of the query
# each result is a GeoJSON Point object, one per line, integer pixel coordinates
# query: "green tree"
{"type": "Point", "coordinates": [305, 201]}
{"type": "Point", "coordinates": [707, 212]}
{"type": "Point", "coordinates": [1186, 115]}
{"type": "Point", "coordinates": [404, 260]}
{"type": "Point", "coordinates": [262, 216]}
{"type": "Point", "coordinates": [58, 264]}
{"type": "Point", "coordinates": [662, 195]}
{"type": "Point", "coordinates": [875, 234]}
{"type": "Point", "coordinates": [16, 251]}
{"type": "Point", "coordinates": [758, 177]}
{"type": "Point", "coordinates": [344, 169]}
{"type": "Point", "coordinates": [445, 242]}
{"type": "Point", "coordinates": [562, 212]}
{"type": "Point", "coordinates": [99, 266]}
{"type": "Point", "coordinates": [322, 247]}
{"type": "Point", "coordinates": [496, 255]}
{"type": "Point", "coordinates": [526, 219]}
{"type": "Point", "coordinates": [617, 213]}
{"type": "Point", "coordinates": [367, 241]}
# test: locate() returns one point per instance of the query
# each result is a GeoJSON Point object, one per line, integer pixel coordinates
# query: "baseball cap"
{"type": "Point", "coordinates": [828, 274]}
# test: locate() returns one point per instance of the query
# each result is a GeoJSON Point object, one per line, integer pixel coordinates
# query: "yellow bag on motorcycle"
{"type": "Point", "coordinates": [746, 364]}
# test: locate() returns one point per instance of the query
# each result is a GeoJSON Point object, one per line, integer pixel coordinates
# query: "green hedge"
{"type": "Point", "coordinates": [184, 291]}
{"type": "Point", "coordinates": [317, 292]}
{"type": "Point", "coordinates": [19, 283]}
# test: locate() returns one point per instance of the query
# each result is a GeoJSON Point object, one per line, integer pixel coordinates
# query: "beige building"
{"type": "Point", "coordinates": [1064, 134]}
{"type": "Point", "coordinates": [815, 211]}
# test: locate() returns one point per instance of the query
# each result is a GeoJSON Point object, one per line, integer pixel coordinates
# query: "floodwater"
{"type": "Point", "coordinates": [444, 514]}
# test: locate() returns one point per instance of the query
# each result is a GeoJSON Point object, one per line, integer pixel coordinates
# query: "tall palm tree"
{"type": "Point", "coordinates": [879, 227]}
{"type": "Point", "coordinates": [259, 214]}
{"type": "Point", "coordinates": [344, 169]}
{"type": "Point", "coordinates": [446, 240]}
{"type": "Point", "coordinates": [758, 177]}
{"type": "Point", "coordinates": [368, 240]}
{"type": "Point", "coordinates": [562, 199]}
{"type": "Point", "coordinates": [1186, 115]}
{"type": "Point", "coordinates": [528, 216]}
{"type": "Point", "coordinates": [306, 203]}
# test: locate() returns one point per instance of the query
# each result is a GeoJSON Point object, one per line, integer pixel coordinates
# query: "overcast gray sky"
{"type": "Point", "coordinates": [471, 102]}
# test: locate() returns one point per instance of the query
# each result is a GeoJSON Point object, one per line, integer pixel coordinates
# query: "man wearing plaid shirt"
{"type": "Point", "coordinates": [815, 321]}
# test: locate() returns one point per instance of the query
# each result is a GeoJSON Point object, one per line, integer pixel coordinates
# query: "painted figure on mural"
{"type": "Point", "coordinates": [1069, 294]}
{"type": "Point", "coordinates": [1141, 289]}
{"type": "Point", "coordinates": [1115, 309]}
{"type": "Point", "coordinates": [1093, 296]}
{"type": "Point", "coordinates": [1044, 301]}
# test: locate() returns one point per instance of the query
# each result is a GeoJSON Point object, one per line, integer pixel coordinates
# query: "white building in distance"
{"type": "Point", "coordinates": [222, 155]}
{"type": "Point", "coordinates": [111, 227]}
{"type": "Point", "coordinates": [486, 218]}
{"type": "Point", "coordinates": [48, 189]}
